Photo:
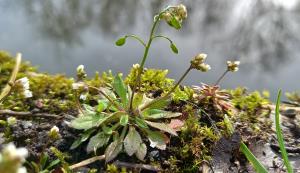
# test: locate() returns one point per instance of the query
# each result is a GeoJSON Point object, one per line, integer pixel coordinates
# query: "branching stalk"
{"type": "Point", "coordinates": [170, 92]}
{"type": "Point", "coordinates": [147, 47]}
{"type": "Point", "coordinates": [137, 38]}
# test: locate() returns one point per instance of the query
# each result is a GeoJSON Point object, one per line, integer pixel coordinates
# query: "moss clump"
{"type": "Point", "coordinates": [293, 96]}
{"type": "Point", "coordinates": [151, 80]}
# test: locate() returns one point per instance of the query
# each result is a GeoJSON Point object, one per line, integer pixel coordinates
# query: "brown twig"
{"type": "Point", "coordinates": [27, 114]}
{"type": "Point", "coordinates": [136, 166]}
{"type": "Point", "coordinates": [87, 161]}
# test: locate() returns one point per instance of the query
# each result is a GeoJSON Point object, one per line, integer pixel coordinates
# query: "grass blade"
{"type": "Point", "coordinates": [280, 137]}
{"type": "Point", "coordinates": [252, 159]}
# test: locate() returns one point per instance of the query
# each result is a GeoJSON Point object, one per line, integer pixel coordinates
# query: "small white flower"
{"type": "Point", "coordinates": [182, 11]}
{"type": "Point", "coordinates": [77, 85]}
{"type": "Point", "coordinates": [27, 93]}
{"type": "Point", "coordinates": [83, 96]}
{"type": "Point", "coordinates": [54, 133]}
{"type": "Point", "coordinates": [80, 68]}
{"type": "Point", "coordinates": [11, 121]}
{"type": "Point", "coordinates": [54, 129]}
{"type": "Point", "coordinates": [201, 57]}
{"type": "Point", "coordinates": [204, 67]}
{"type": "Point", "coordinates": [233, 66]}
{"type": "Point", "coordinates": [136, 66]}
{"type": "Point", "coordinates": [22, 170]}
{"type": "Point", "coordinates": [11, 152]}
{"type": "Point", "coordinates": [24, 82]}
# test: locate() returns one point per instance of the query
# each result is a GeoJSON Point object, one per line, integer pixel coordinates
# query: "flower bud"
{"type": "Point", "coordinates": [204, 67]}
{"type": "Point", "coordinates": [233, 66]}
{"type": "Point", "coordinates": [81, 74]}
{"type": "Point", "coordinates": [11, 121]}
{"type": "Point", "coordinates": [182, 11]}
{"type": "Point", "coordinates": [54, 133]}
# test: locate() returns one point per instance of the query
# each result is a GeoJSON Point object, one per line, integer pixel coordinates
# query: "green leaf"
{"type": "Point", "coordinates": [44, 159]}
{"type": "Point", "coordinates": [83, 138]}
{"type": "Point", "coordinates": [156, 139]}
{"type": "Point", "coordinates": [120, 89]}
{"type": "Point", "coordinates": [52, 164]}
{"type": "Point", "coordinates": [175, 23]}
{"type": "Point", "coordinates": [280, 136]}
{"type": "Point", "coordinates": [107, 130]}
{"type": "Point", "coordinates": [102, 105]}
{"type": "Point", "coordinates": [88, 121]}
{"type": "Point", "coordinates": [160, 104]}
{"type": "Point", "coordinates": [132, 141]}
{"type": "Point", "coordinates": [162, 126]}
{"type": "Point", "coordinates": [137, 100]}
{"type": "Point", "coordinates": [97, 141]}
{"type": "Point", "coordinates": [253, 160]}
{"type": "Point", "coordinates": [141, 152]}
{"type": "Point", "coordinates": [141, 122]}
{"type": "Point", "coordinates": [113, 150]}
{"type": "Point", "coordinates": [121, 41]}
{"type": "Point", "coordinates": [159, 115]}
{"type": "Point", "coordinates": [174, 48]}
{"type": "Point", "coordinates": [88, 109]}
{"type": "Point", "coordinates": [124, 120]}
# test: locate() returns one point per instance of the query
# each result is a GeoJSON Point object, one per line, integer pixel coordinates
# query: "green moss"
{"type": "Point", "coordinates": [293, 96]}
{"type": "Point", "coordinates": [151, 80]}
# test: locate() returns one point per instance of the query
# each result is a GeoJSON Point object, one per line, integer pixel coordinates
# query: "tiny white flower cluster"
{"type": "Point", "coordinates": [233, 66]}
{"type": "Point", "coordinates": [12, 158]}
{"type": "Point", "coordinates": [26, 89]}
{"type": "Point", "coordinates": [198, 63]}
{"type": "Point", "coordinates": [178, 12]}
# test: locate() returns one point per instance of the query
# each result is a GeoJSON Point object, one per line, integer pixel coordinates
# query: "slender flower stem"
{"type": "Point", "coordinates": [161, 36]}
{"type": "Point", "coordinates": [137, 38]}
{"type": "Point", "coordinates": [138, 80]}
{"type": "Point", "coordinates": [6, 90]}
{"type": "Point", "coordinates": [170, 92]}
{"type": "Point", "coordinates": [221, 77]}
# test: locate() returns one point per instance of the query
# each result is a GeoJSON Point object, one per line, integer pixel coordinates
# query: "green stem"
{"type": "Point", "coordinates": [138, 80]}
{"type": "Point", "coordinates": [170, 92]}
{"type": "Point", "coordinates": [161, 36]}
{"type": "Point", "coordinates": [221, 77]}
{"type": "Point", "coordinates": [137, 38]}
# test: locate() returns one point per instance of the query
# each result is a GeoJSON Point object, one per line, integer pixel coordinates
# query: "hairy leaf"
{"type": "Point", "coordinates": [97, 141]}
{"type": "Point", "coordinates": [141, 122]}
{"type": "Point", "coordinates": [120, 89]}
{"type": "Point", "coordinates": [164, 114]}
{"type": "Point", "coordinates": [132, 141]}
{"type": "Point", "coordinates": [157, 139]}
{"type": "Point", "coordinates": [141, 152]}
{"type": "Point", "coordinates": [113, 150]}
{"type": "Point", "coordinates": [124, 120]}
{"type": "Point", "coordinates": [137, 100]}
{"type": "Point", "coordinates": [102, 105]}
{"type": "Point", "coordinates": [83, 138]}
{"type": "Point", "coordinates": [88, 121]}
{"type": "Point", "coordinates": [162, 126]}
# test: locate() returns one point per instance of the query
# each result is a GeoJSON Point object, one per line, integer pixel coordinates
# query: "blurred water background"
{"type": "Point", "coordinates": [58, 35]}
